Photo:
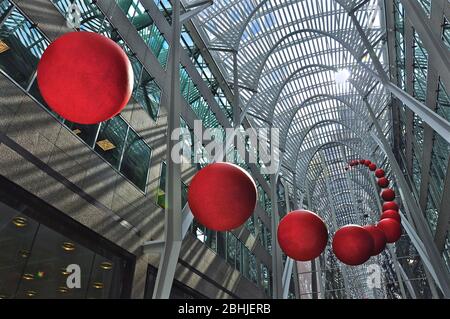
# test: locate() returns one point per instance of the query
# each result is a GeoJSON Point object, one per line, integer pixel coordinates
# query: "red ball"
{"type": "Point", "coordinates": [367, 163]}
{"type": "Point", "coordinates": [85, 77]}
{"type": "Point", "coordinates": [388, 194]}
{"type": "Point", "coordinates": [379, 173]}
{"type": "Point", "coordinates": [353, 163]}
{"type": "Point", "coordinates": [390, 206]}
{"type": "Point", "coordinates": [391, 229]}
{"type": "Point", "coordinates": [372, 167]}
{"type": "Point", "coordinates": [222, 196]}
{"type": "Point", "coordinates": [391, 214]}
{"type": "Point", "coordinates": [379, 239]}
{"type": "Point", "coordinates": [383, 182]}
{"type": "Point", "coordinates": [353, 245]}
{"type": "Point", "coordinates": [302, 235]}
{"type": "Point", "coordinates": [361, 161]}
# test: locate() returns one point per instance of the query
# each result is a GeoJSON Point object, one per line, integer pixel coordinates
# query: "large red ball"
{"type": "Point", "coordinates": [379, 173]}
{"type": "Point", "coordinates": [302, 235]}
{"type": "Point", "coordinates": [222, 196]}
{"type": "Point", "coordinates": [85, 77]}
{"type": "Point", "coordinates": [391, 214]}
{"type": "Point", "coordinates": [383, 182]}
{"type": "Point", "coordinates": [391, 229]}
{"type": "Point", "coordinates": [361, 161]}
{"type": "Point", "coordinates": [367, 163]}
{"type": "Point", "coordinates": [353, 245]}
{"type": "Point", "coordinates": [372, 167]}
{"type": "Point", "coordinates": [379, 239]}
{"type": "Point", "coordinates": [388, 194]}
{"type": "Point", "coordinates": [390, 206]}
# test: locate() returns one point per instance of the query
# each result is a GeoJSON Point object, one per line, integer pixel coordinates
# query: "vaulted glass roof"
{"type": "Point", "coordinates": [289, 53]}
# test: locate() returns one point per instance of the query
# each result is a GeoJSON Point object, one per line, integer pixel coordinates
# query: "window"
{"type": "Point", "coordinates": [21, 45]}
{"type": "Point", "coordinates": [136, 159]}
{"type": "Point", "coordinates": [161, 192]}
{"type": "Point", "coordinates": [148, 94]}
{"type": "Point", "coordinates": [111, 140]}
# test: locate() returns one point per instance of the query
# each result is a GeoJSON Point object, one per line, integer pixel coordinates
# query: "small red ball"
{"type": "Point", "coordinates": [367, 163]}
{"type": "Point", "coordinates": [391, 229]}
{"type": "Point", "coordinates": [379, 173]}
{"type": "Point", "coordinates": [302, 235]}
{"type": "Point", "coordinates": [353, 163]}
{"type": "Point", "coordinates": [222, 196]}
{"type": "Point", "coordinates": [372, 167]}
{"type": "Point", "coordinates": [85, 77]}
{"type": "Point", "coordinates": [379, 239]}
{"type": "Point", "coordinates": [361, 161]}
{"type": "Point", "coordinates": [390, 206]}
{"type": "Point", "coordinates": [388, 194]}
{"type": "Point", "coordinates": [383, 182]}
{"type": "Point", "coordinates": [391, 214]}
{"type": "Point", "coordinates": [353, 245]}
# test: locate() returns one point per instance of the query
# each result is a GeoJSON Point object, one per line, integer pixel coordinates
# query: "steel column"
{"type": "Point", "coordinates": [173, 217]}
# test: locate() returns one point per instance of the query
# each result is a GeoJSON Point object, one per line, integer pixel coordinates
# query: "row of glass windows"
{"type": "Point", "coordinates": [441, 149]}
{"type": "Point", "coordinates": [114, 140]}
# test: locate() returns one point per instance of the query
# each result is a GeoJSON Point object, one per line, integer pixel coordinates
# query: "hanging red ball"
{"type": "Point", "coordinates": [391, 229]}
{"type": "Point", "coordinates": [367, 163]}
{"type": "Point", "coordinates": [353, 163]}
{"type": "Point", "coordinates": [390, 206]}
{"type": "Point", "coordinates": [379, 173]}
{"type": "Point", "coordinates": [388, 194]}
{"type": "Point", "coordinates": [383, 182]}
{"type": "Point", "coordinates": [379, 239]}
{"type": "Point", "coordinates": [372, 167]}
{"type": "Point", "coordinates": [302, 235]}
{"type": "Point", "coordinates": [85, 77]}
{"type": "Point", "coordinates": [222, 196]}
{"type": "Point", "coordinates": [353, 245]}
{"type": "Point", "coordinates": [361, 161]}
{"type": "Point", "coordinates": [391, 214]}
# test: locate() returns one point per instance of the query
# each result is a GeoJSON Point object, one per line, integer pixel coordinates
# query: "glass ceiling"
{"type": "Point", "coordinates": [288, 55]}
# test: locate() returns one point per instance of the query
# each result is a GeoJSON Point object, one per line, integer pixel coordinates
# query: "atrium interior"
{"type": "Point", "coordinates": [298, 92]}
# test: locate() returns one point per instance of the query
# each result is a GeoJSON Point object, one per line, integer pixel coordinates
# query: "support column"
{"type": "Point", "coordinates": [277, 261]}
{"type": "Point", "coordinates": [173, 216]}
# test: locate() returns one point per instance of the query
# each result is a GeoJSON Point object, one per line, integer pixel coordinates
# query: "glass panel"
{"type": "Point", "coordinates": [22, 45]}
{"type": "Point", "coordinates": [111, 139]}
{"type": "Point", "coordinates": [136, 160]}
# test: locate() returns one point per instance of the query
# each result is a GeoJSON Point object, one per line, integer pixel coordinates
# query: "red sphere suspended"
{"type": "Point", "coordinates": [367, 163]}
{"type": "Point", "coordinates": [85, 77]}
{"type": "Point", "coordinates": [390, 206]}
{"type": "Point", "coordinates": [353, 245]}
{"type": "Point", "coordinates": [222, 196]}
{"type": "Point", "coordinates": [391, 214]}
{"type": "Point", "coordinates": [379, 173]}
{"type": "Point", "coordinates": [372, 167]}
{"type": "Point", "coordinates": [379, 239]}
{"type": "Point", "coordinates": [302, 235]}
{"type": "Point", "coordinates": [383, 182]}
{"type": "Point", "coordinates": [388, 194]}
{"type": "Point", "coordinates": [361, 161]}
{"type": "Point", "coordinates": [353, 163]}
{"type": "Point", "coordinates": [391, 229]}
